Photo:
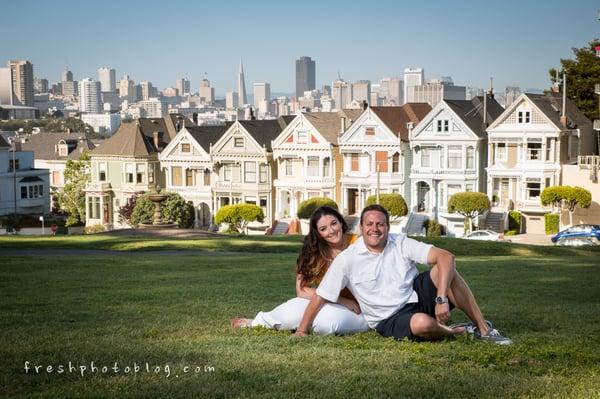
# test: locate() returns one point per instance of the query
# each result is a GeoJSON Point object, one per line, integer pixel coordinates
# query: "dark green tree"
{"type": "Point", "coordinates": [174, 208]}
{"type": "Point", "coordinates": [470, 205]}
{"type": "Point", "coordinates": [583, 73]}
{"type": "Point", "coordinates": [71, 198]}
{"type": "Point", "coordinates": [394, 203]}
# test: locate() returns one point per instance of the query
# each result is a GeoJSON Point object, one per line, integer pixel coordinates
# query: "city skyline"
{"type": "Point", "coordinates": [513, 42]}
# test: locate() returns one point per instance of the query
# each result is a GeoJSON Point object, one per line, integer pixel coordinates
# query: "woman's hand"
{"type": "Point", "coordinates": [350, 304]}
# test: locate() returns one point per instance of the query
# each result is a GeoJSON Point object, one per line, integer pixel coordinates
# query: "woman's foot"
{"type": "Point", "coordinates": [241, 323]}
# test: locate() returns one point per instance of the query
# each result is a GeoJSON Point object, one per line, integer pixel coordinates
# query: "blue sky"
{"type": "Point", "coordinates": [516, 42]}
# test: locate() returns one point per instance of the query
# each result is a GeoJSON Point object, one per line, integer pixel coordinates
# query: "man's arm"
{"type": "Point", "coordinates": [313, 308]}
{"type": "Point", "coordinates": [445, 271]}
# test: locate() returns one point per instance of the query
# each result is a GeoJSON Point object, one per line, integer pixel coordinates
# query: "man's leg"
{"type": "Point", "coordinates": [461, 296]}
{"type": "Point", "coordinates": [424, 326]}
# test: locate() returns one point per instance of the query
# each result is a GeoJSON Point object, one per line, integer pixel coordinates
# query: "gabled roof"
{"type": "Point", "coordinates": [551, 105]}
{"type": "Point", "coordinates": [207, 135]}
{"type": "Point", "coordinates": [3, 143]}
{"type": "Point", "coordinates": [264, 131]}
{"type": "Point", "coordinates": [471, 112]}
{"type": "Point", "coordinates": [130, 141]}
{"type": "Point", "coordinates": [351, 114]}
{"type": "Point", "coordinates": [396, 118]}
{"type": "Point", "coordinates": [43, 145]}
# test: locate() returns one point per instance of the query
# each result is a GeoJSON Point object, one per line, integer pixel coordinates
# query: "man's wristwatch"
{"type": "Point", "coordinates": [441, 300]}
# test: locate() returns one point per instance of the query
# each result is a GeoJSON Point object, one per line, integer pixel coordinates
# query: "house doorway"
{"type": "Point", "coordinates": [423, 196]}
{"type": "Point", "coordinates": [352, 201]}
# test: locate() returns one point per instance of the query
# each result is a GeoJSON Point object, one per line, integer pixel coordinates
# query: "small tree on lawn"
{"type": "Point", "coordinates": [566, 197]}
{"type": "Point", "coordinates": [238, 216]}
{"type": "Point", "coordinates": [470, 205]}
{"type": "Point", "coordinates": [71, 198]}
{"type": "Point", "coordinates": [309, 206]}
{"type": "Point", "coordinates": [394, 203]}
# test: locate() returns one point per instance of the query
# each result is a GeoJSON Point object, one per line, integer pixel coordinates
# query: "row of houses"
{"type": "Point", "coordinates": [424, 154]}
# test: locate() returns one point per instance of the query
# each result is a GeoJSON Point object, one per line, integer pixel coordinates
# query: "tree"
{"type": "Point", "coordinates": [394, 203]}
{"type": "Point", "coordinates": [174, 208]}
{"type": "Point", "coordinates": [566, 197]}
{"type": "Point", "coordinates": [582, 74]}
{"type": "Point", "coordinates": [238, 216]}
{"type": "Point", "coordinates": [143, 211]}
{"type": "Point", "coordinates": [126, 211]}
{"type": "Point", "coordinates": [72, 197]}
{"type": "Point", "coordinates": [309, 206]}
{"type": "Point", "coordinates": [470, 205]}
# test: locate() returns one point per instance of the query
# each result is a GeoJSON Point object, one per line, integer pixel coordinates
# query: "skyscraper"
{"type": "Point", "coordinates": [391, 90]}
{"type": "Point", "coordinates": [108, 79]}
{"type": "Point", "coordinates": [242, 99]}
{"type": "Point", "coordinates": [231, 100]}
{"type": "Point", "coordinates": [207, 93]}
{"type": "Point", "coordinates": [22, 81]}
{"type": "Point", "coordinates": [183, 86]}
{"type": "Point", "coordinates": [262, 97]}
{"type": "Point", "coordinates": [126, 88]}
{"type": "Point", "coordinates": [67, 76]}
{"type": "Point", "coordinates": [305, 75]}
{"type": "Point", "coordinates": [361, 90]}
{"type": "Point", "coordinates": [89, 96]}
{"type": "Point", "coordinates": [147, 90]}
{"type": "Point", "coordinates": [341, 93]}
{"type": "Point", "coordinates": [412, 77]}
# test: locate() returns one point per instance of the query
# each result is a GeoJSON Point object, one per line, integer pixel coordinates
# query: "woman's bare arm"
{"type": "Point", "coordinates": [302, 290]}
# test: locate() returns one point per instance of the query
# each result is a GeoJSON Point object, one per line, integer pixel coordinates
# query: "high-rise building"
{"type": "Point", "coordinates": [207, 93]}
{"type": "Point", "coordinates": [89, 96]}
{"type": "Point", "coordinates": [66, 76]}
{"type": "Point", "coordinates": [231, 100]}
{"type": "Point", "coordinates": [262, 96]}
{"type": "Point", "coordinates": [126, 88]}
{"type": "Point", "coordinates": [70, 88]}
{"type": "Point", "coordinates": [108, 79]}
{"type": "Point", "coordinates": [153, 108]}
{"type": "Point", "coordinates": [22, 82]}
{"type": "Point", "coordinates": [510, 94]}
{"type": "Point", "coordinates": [412, 77]}
{"type": "Point", "coordinates": [183, 86]}
{"type": "Point", "coordinates": [146, 90]}
{"type": "Point", "coordinates": [40, 85]}
{"type": "Point", "coordinates": [391, 90]}
{"type": "Point", "coordinates": [6, 92]}
{"type": "Point", "coordinates": [435, 91]}
{"type": "Point", "coordinates": [305, 75]}
{"type": "Point", "coordinates": [341, 93]}
{"type": "Point", "coordinates": [361, 90]}
{"type": "Point", "coordinates": [242, 99]}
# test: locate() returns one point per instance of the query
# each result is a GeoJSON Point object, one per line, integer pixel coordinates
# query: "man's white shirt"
{"type": "Point", "coordinates": [382, 283]}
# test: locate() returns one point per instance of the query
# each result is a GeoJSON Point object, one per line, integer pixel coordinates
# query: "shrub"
{"type": "Point", "coordinates": [97, 228]}
{"type": "Point", "coordinates": [511, 232]}
{"type": "Point", "coordinates": [143, 211]}
{"type": "Point", "coordinates": [433, 228]}
{"type": "Point", "coordinates": [394, 203]}
{"type": "Point", "coordinates": [309, 206]}
{"type": "Point", "coordinates": [174, 209]}
{"type": "Point", "coordinates": [238, 216]}
{"type": "Point", "coordinates": [514, 221]}
{"type": "Point", "coordinates": [126, 211]}
{"type": "Point", "coordinates": [551, 223]}
{"type": "Point", "coordinates": [470, 205]}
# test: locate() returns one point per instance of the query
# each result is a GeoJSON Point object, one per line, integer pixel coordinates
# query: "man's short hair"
{"type": "Point", "coordinates": [378, 208]}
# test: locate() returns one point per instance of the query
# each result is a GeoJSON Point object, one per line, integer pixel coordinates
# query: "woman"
{"type": "Point", "coordinates": [326, 239]}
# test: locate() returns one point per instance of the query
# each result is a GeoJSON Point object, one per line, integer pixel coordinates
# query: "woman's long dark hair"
{"type": "Point", "coordinates": [314, 258]}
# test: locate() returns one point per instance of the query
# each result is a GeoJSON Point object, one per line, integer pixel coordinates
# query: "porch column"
{"type": "Point", "coordinates": [102, 221]}
{"type": "Point", "coordinates": [87, 207]}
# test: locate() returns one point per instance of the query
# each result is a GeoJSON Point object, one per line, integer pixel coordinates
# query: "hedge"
{"type": "Point", "coordinates": [551, 223]}
{"type": "Point", "coordinates": [514, 221]}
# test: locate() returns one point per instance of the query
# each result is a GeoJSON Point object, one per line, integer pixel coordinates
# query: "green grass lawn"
{"type": "Point", "coordinates": [173, 311]}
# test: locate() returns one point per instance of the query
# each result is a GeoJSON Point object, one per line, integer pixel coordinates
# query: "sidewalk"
{"type": "Point", "coordinates": [532, 239]}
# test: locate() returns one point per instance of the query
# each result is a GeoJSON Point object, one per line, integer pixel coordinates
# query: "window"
{"type": "Point", "coordinates": [140, 171]}
{"type": "Point", "coordinates": [12, 166]}
{"type": "Point", "coordinates": [288, 167]}
{"type": "Point", "coordinates": [454, 157]}
{"type": "Point", "coordinates": [396, 163]}
{"type": "Point", "coordinates": [101, 171]}
{"type": "Point", "coordinates": [176, 176]}
{"type": "Point", "coordinates": [501, 152]}
{"type": "Point", "coordinates": [354, 162]}
{"type": "Point", "coordinates": [250, 200]}
{"type": "Point", "coordinates": [263, 202]}
{"type": "Point", "coordinates": [227, 172]}
{"type": "Point", "coordinates": [301, 136]}
{"type": "Point", "coordinates": [250, 173]}
{"type": "Point", "coordinates": [63, 150]}
{"type": "Point", "coordinates": [129, 173]}
{"type": "Point", "coordinates": [548, 149]}
{"type": "Point", "coordinates": [470, 157]}
{"type": "Point", "coordinates": [326, 167]}
{"type": "Point", "coordinates": [23, 192]}
{"type": "Point", "coordinates": [263, 173]}
{"type": "Point", "coordinates": [547, 182]}
{"type": "Point", "coordinates": [206, 177]}
{"type": "Point", "coordinates": [381, 163]}
{"type": "Point", "coordinates": [425, 157]}
{"type": "Point", "coordinates": [313, 166]}
{"type": "Point", "coordinates": [524, 116]}
{"type": "Point", "coordinates": [151, 174]}
{"type": "Point", "coordinates": [469, 187]}
{"type": "Point", "coordinates": [453, 189]}
{"type": "Point", "coordinates": [94, 207]}
{"type": "Point", "coordinates": [534, 151]}
{"type": "Point", "coordinates": [442, 125]}
{"type": "Point", "coordinates": [238, 142]}
{"type": "Point", "coordinates": [189, 177]}
{"type": "Point", "coordinates": [533, 189]}
{"type": "Point", "coordinates": [369, 131]}
{"type": "Point", "coordinates": [185, 147]}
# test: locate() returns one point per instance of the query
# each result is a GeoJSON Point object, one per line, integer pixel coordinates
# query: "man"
{"type": "Point", "coordinates": [396, 300]}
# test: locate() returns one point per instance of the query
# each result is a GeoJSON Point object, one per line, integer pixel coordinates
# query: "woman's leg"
{"type": "Point", "coordinates": [286, 316]}
{"type": "Point", "coordinates": [338, 319]}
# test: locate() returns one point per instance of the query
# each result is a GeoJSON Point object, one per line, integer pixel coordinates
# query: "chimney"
{"type": "Point", "coordinates": [365, 105]}
{"type": "Point", "coordinates": [195, 117]}
{"type": "Point", "coordinates": [156, 138]}
{"type": "Point", "coordinates": [17, 145]}
{"type": "Point", "coordinates": [342, 125]}
{"type": "Point", "coordinates": [563, 116]}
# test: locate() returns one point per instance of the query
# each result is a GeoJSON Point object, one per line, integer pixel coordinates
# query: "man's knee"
{"type": "Point", "coordinates": [422, 325]}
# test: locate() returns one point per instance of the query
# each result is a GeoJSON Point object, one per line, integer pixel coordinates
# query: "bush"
{"type": "Point", "coordinates": [511, 232]}
{"type": "Point", "coordinates": [433, 228]}
{"type": "Point", "coordinates": [394, 203]}
{"type": "Point", "coordinates": [551, 223]}
{"type": "Point", "coordinates": [97, 228]}
{"type": "Point", "coordinates": [309, 206]}
{"type": "Point", "coordinates": [514, 221]}
{"type": "Point", "coordinates": [143, 211]}
{"type": "Point", "coordinates": [174, 209]}
{"type": "Point", "coordinates": [238, 216]}
{"type": "Point", "coordinates": [470, 205]}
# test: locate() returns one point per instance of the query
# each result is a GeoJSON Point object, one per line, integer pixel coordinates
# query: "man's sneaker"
{"type": "Point", "coordinates": [470, 327]}
{"type": "Point", "coordinates": [492, 336]}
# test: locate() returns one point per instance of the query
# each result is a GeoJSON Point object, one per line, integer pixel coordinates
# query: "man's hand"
{"type": "Point", "coordinates": [350, 304]}
{"type": "Point", "coordinates": [442, 312]}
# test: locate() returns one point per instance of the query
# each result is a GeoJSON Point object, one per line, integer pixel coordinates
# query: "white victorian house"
{"type": "Point", "coordinates": [308, 160]}
{"type": "Point", "coordinates": [449, 149]}
{"type": "Point", "coordinates": [243, 165]}
{"type": "Point", "coordinates": [376, 154]}
{"type": "Point", "coordinates": [528, 144]}
{"type": "Point", "coordinates": [188, 168]}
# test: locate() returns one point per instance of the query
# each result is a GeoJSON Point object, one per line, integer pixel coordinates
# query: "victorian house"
{"type": "Point", "coordinates": [308, 159]}
{"type": "Point", "coordinates": [376, 155]}
{"type": "Point", "coordinates": [449, 149]}
{"type": "Point", "coordinates": [243, 166]}
{"type": "Point", "coordinates": [528, 145]}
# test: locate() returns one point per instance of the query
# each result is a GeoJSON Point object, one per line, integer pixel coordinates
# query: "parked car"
{"type": "Point", "coordinates": [485, 235]}
{"type": "Point", "coordinates": [579, 230]}
{"type": "Point", "coordinates": [577, 241]}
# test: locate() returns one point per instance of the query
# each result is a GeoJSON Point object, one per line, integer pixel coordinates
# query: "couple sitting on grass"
{"type": "Point", "coordinates": [372, 282]}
